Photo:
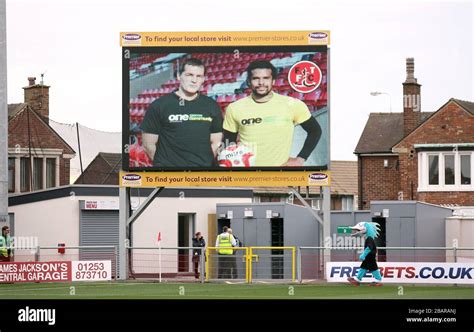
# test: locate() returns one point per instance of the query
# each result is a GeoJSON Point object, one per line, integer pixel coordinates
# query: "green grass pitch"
{"type": "Point", "coordinates": [149, 290]}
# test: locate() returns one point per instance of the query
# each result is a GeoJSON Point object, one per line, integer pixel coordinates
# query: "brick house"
{"type": "Point", "coordinates": [38, 158]}
{"type": "Point", "coordinates": [417, 155]}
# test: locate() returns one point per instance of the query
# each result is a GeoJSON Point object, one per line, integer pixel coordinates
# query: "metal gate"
{"type": "Point", "coordinates": [252, 264]}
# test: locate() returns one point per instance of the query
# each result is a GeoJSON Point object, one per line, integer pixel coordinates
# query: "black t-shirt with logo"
{"type": "Point", "coordinates": [184, 129]}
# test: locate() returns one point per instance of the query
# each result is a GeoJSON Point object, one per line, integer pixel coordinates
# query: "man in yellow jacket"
{"type": "Point", "coordinates": [6, 244]}
{"type": "Point", "coordinates": [225, 241]}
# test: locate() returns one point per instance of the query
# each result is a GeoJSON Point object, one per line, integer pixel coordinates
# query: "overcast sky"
{"type": "Point", "coordinates": [76, 45]}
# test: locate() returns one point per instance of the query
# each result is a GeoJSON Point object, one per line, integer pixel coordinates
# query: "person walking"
{"type": "Point", "coordinates": [198, 242]}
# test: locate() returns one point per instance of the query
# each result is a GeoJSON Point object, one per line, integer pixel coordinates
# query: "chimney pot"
{"type": "Point", "coordinates": [37, 96]}
{"type": "Point", "coordinates": [410, 71]}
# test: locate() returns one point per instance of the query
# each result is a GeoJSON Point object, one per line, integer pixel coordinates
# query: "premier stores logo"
{"type": "Point", "coordinates": [346, 242]}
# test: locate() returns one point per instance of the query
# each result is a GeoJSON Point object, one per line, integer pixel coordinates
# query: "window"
{"type": "Point", "coordinates": [445, 171]}
{"type": "Point", "coordinates": [449, 169]}
{"type": "Point", "coordinates": [466, 169]}
{"type": "Point", "coordinates": [34, 173]}
{"type": "Point", "coordinates": [312, 202]}
{"type": "Point", "coordinates": [347, 203]}
{"type": "Point", "coordinates": [316, 204]}
{"type": "Point", "coordinates": [25, 168]}
{"type": "Point", "coordinates": [37, 173]}
{"type": "Point", "coordinates": [50, 172]}
{"type": "Point", "coordinates": [434, 170]}
{"type": "Point", "coordinates": [11, 175]}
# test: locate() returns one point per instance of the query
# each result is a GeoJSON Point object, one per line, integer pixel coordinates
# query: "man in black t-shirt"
{"type": "Point", "coordinates": [183, 128]}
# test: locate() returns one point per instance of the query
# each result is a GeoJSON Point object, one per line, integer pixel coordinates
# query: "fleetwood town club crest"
{"type": "Point", "coordinates": [305, 76]}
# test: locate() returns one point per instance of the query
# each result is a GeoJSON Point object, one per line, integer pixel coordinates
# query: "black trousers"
{"type": "Point", "coordinates": [225, 266]}
{"type": "Point", "coordinates": [196, 260]}
{"type": "Point", "coordinates": [233, 266]}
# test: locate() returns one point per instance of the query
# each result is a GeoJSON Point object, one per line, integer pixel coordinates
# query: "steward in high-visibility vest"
{"type": "Point", "coordinates": [6, 242]}
{"type": "Point", "coordinates": [225, 240]}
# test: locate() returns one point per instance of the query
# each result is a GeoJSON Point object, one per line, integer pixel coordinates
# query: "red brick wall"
{"type": "Point", "coordinates": [378, 182]}
{"type": "Point", "coordinates": [465, 198]}
{"type": "Point", "coordinates": [452, 124]}
{"type": "Point", "coordinates": [38, 98]}
{"type": "Point", "coordinates": [411, 107]}
{"type": "Point", "coordinates": [64, 171]}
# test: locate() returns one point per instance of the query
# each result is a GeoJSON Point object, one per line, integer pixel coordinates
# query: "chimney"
{"type": "Point", "coordinates": [37, 97]}
{"type": "Point", "coordinates": [411, 99]}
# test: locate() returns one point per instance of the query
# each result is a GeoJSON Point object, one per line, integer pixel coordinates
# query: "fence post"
{"type": "Point", "coordinates": [455, 253]}
{"type": "Point", "coordinates": [116, 262]}
{"type": "Point", "coordinates": [37, 254]}
{"type": "Point", "coordinates": [202, 264]}
{"type": "Point", "coordinates": [159, 262]}
{"type": "Point", "coordinates": [206, 269]}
